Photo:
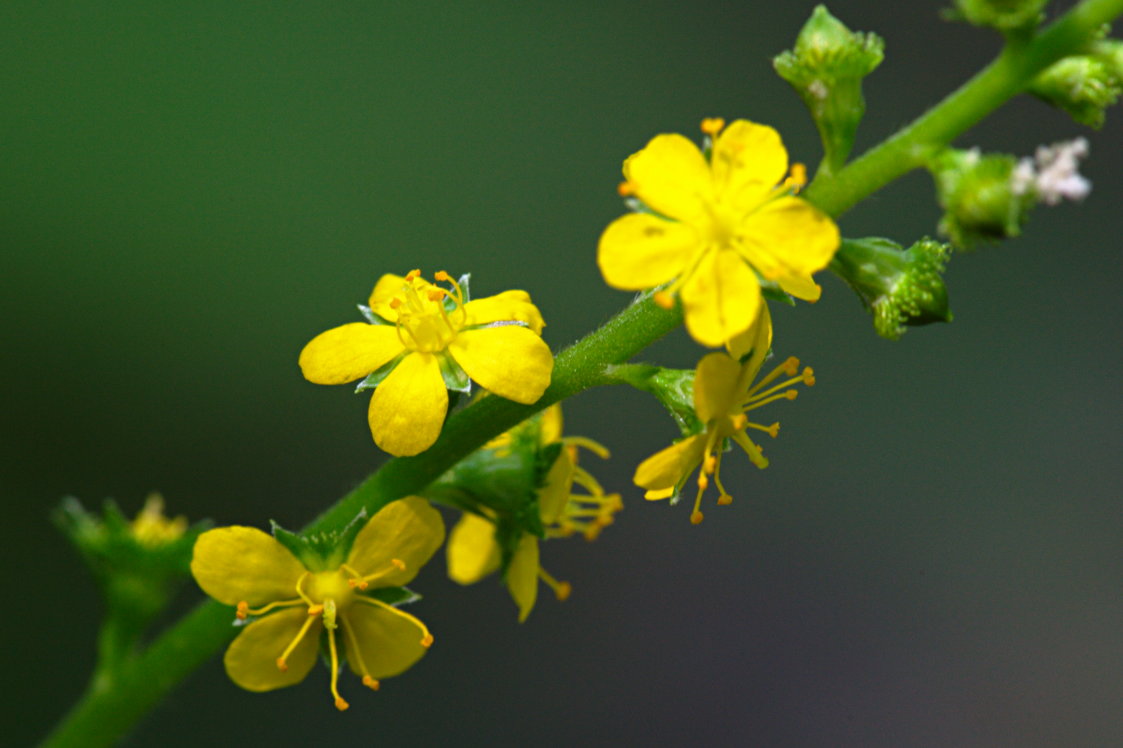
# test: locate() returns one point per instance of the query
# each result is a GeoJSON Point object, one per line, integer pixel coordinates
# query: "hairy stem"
{"type": "Point", "coordinates": [106, 713]}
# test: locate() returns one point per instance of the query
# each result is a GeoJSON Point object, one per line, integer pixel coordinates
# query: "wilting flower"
{"type": "Point", "coordinates": [713, 225]}
{"type": "Point", "coordinates": [473, 548]}
{"type": "Point", "coordinates": [294, 602]}
{"type": "Point", "coordinates": [724, 393]}
{"type": "Point", "coordinates": [421, 340]}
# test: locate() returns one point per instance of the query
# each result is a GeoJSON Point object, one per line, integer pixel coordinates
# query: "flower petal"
{"type": "Point", "coordinates": [509, 360]}
{"type": "Point", "coordinates": [757, 339]}
{"type": "Point", "coordinates": [472, 552]}
{"type": "Point", "coordinates": [716, 387]}
{"type": "Point", "coordinates": [389, 643]}
{"type": "Point", "coordinates": [748, 161]}
{"type": "Point", "coordinates": [721, 298]}
{"type": "Point", "coordinates": [801, 286]}
{"type": "Point", "coordinates": [667, 468]}
{"type": "Point", "coordinates": [251, 659]}
{"type": "Point", "coordinates": [640, 251]}
{"type": "Point", "coordinates": [554, 494]}
{"type": "Point", "coordinates": [387, 287]}
{"type": "Point", "coordinates": [408, 409]}
{"type": "Point", "coordinates": [507, 306]}
{"type": "Point", "coordinates": [550, 428]}
{"type": "Point", "coordinates": [788, 238]}
{"type": "Point", "coordinates": [233, 564]}
{"type": "Point", "coordinates": [409, 530]}
{"type": "Point", "coordinates": [349, 352]}
{"type": "Point", "coordinates": [671, 176]}
{"type": "Point", "coordinates": [522, 575]}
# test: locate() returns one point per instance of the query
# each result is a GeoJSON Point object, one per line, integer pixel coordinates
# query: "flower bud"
{"type": "Point", "coordinates": [826, 68]}
{"type": "Point", "coordinates": [1004, 15]}
{"type": "Point", "coordinates": [898, 287]}
{"type": "Point", "coordinates": [1083, 86]}
{"type": "Point", "coordinates": [977, 194]}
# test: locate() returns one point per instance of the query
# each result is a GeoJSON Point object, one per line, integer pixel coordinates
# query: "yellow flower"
{"type": "Point", "coordinates": [422, 339]}
{"type": "Point", "coordinates": [715, 225]}
{"type": "Point", "coordinates": [473, 551]}
{"type": "Point", "coordinates": [724, 393]}
{"type": "Point", "coordinates": [152, 529]}
{"type": "Point", "coordinates": [297, 600]}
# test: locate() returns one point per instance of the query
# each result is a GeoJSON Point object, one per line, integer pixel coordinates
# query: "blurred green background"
{"type": "Point", "coordinates": [189, 192]}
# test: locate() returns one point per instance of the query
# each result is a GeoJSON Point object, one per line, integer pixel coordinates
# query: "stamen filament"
{"type": "Point", "coordinates": [340, 704]}
{"type": "Point", "coordinates": [244, 610]}
{"type": "Point", "coordinates": [789, 367]}
{"type": "Point", "coordinates": [775, 388]}
{"type": "Point", "coordinates": [300, 589]}
{"type": "Point", "coordinates": [583, 441]}
{"type": "Point", "coordinates": [788, 395]}
{"type": "Point", "coordinates": [561, 590]}
{"type": "Point", "coordinates": [426, 637]}
{"type": "Point", "coordinates": [282, 665]}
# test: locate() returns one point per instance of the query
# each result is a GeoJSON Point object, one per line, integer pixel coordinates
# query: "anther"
{"type": "Point", "coordinates": [563, 590]}
{"type": "Point", "coordinates": [441, 275]}
{"type": "Point", "coordinates": [791, 394]}
{"type": "Point", "coordinates": [357, 583]}
{"type": "Point", "coordinates": [436, 294]}
{"type": "Point", "coordinates": [791, 366]}
{"type": "Point", "coordinates": [712, 125]}
{"type": "Point", "coordinates": [340, 704]}
{"type": "Point", "coordinates": [398, 564]}
{"type": "Point", "coordinates": [664, 300]}
{"type": "Point", "coordinates": [809, 377]}
{"type": "Point", "coordinates": [696, 518]}
{"type": "Point", "coordinates": [798, 176]}
{"type": "Point", "coordinates": [315, 610]}
{"type": "Point", "coordinates": [413, 274]}
{"type": "Point", "coordinates": [371, 683]}
{"type": "Point", "coordinates": [739, 421]}
{"type": "Point", "coordinates": [395, 303]}
{"type": "Point", "coordinates": [427, 640]}
{"type": "Point", "coordinates": [243, 610]}
{"type": "Point", "coordinates": [725, 499]}
{"type": "Point", "coordinates": [282, 665]}
{"type": "Point", "coordinates": [774, 429]}
{"type": "Point", "coordinates": [703, 482]}
{"type": "Point", "coordinates": [709, 464]}
{"type": "Point", "coordinates": [625, 189]}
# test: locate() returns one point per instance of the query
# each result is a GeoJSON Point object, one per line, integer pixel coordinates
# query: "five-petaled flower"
{"type": "Point", "coordinates": [419, 338]}
{"type": "Point", "coordinates": [293, 602]}
{"type": "Point", "coordinates": [473, 551]}
{"type": "Point", "coordinates": [713, 225]}
{"type": "Point", "coordinates": [724, 393]}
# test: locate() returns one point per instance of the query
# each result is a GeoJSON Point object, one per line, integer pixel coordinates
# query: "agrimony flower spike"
{"type": "Point", "coordinates": [711, 225]}
{"type": "Point", "coordinates": [724, 394]}
{"type": "Point", "coordinates": [421, 340]}
{"type": "Point", "coordinates": [297, 591]}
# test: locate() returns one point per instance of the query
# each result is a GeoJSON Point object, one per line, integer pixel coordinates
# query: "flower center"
{"type": "Point", "coordinates": [429, 317]}
{"type": "Point", "coordinates": [330, 585]}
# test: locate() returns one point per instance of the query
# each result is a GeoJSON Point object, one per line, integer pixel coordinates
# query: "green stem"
{"type": "Point", "coordinates": [105, 714]}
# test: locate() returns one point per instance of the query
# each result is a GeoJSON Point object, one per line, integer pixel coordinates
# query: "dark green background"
{"type": "Point", "coordinates": [189, 192]}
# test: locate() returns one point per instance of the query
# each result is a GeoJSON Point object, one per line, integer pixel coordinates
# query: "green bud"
{"type": "Point", "coordinates": [1110, 53]}
{"type": "Point", "coordinates": [1082, 86]}
{"type": "Point", "coordinates": [826, 68]}
{"type": "Point", "coordinates": [898, 287]}
{"type": "Point", "coordinates": [1004, 15]}
{"type": "Point", "coordinates": [976, 192]}
{"type": "Point", "coordinates": [138, 565]}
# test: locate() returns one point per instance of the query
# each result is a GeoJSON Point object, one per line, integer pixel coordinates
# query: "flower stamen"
{"type": "Point", "coordinates": [562, 590]}
{"type": "Point", "coordinates": [282, 663]}
{"type": "Point", "coordinates": [426, 637]}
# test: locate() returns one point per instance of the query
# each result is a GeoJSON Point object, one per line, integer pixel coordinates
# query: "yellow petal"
{"type": "Point", "coordinates": [667, 468]}
{"type": "Point", "coordinates": [233, 564]}
{"type": "Point", "coordinates": [550, 427]}
{"type": "Point", "coordinates": [788, 238]}
{"type": "Point", "coordinates": [507, 306]}
{"type": "Point", "coordinates": [801, 286]}
{"type": "Point", "coordinates": [387, 287]}
{"type": "Point", "coordinates": [510, 361]}
{"type": "Point", "coordinates": [748, 160]}
{"type": "Point", "coordinates": [522, 575]}
{"type": "Point", "coordinates": [388, 643]}
{"type": "Point", "coordinates": [671, 176]}
{"type": "Point", "coordinates": [640, 251]}
{"type": "Point", "coordinates": [757, 339]}
{"type": "Point", "coordinates": [409, 530]}
{"type": "Point", "coordinates": [408, 409]}
{"type": "Point", "coordinates": [472, 551]}
{"type": "Point", "coordinates": [554, 494]}
{"type": "Point", "coordinates": [721, 298]}
{"type": "Point", "coordinates": [716, 387]}
{"type": "Point", "coordinates": [251, 659]}
{"type": "Point", "coordinates": [349, 352]}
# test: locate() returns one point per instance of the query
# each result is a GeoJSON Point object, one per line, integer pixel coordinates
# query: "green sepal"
{"type": "Point", "coordinates": [394, 595]}
{"type": "Point", "coordinates": [898, 287]}
{"type": "Point", "coordinates": [1083, 86]}
{"type": "Point", "coordinates": [449, 303]}
{"type": "Point", "coordinates": [377, 376]}
{"type": "Point", "coordinates": [456, 379]}
{"type": "Point", "coordinates": [771, 290]}
{"type": "Point", "coordinates": [976, 192]}
{"type": "Point", "coordinates": [1007, 16]}
{"type": "Point", "coordinates": [826, 68]}
{"type": "Point", "coordinates": [321, 551]}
